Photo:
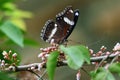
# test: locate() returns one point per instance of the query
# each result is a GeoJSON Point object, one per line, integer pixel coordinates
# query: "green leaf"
{"type": "Point", "coordinates": [1, 34]}
{"type": "Point", "coordinates": [12, 32]}
{"type": "Point", "coordinates": [110, 76]}
{"type": "Point", "coordinates": [4, 76]}
{"type": "Point", "coordinates": [77, 55]}
{"type": "Point", "coordinates": [9, 6]}
{"type": "Point", "coordinates": [102, 74]}
{"type": "Point", "coordinates": [5, 1]}
{"type": "Point", "coordinates": [19, 22]}
{"type": "Point", "coordinates": [115, 67]}
{"type": "Point", "coordinates": [18, 14]}
{"type": "Point", "coordinates": [51, 64]}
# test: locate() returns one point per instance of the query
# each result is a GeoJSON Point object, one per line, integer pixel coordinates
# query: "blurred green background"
{"type": "Point", "coordinates": [98, 24]}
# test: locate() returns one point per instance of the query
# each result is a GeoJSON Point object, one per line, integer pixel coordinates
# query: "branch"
{"type": "Point", "coordinates": [63, 63]}
{"type": "Point", "coordinates": [98, 59]}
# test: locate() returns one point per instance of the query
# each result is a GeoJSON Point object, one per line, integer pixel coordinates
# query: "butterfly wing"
{"type": "Point", "coordinates": [67, 20]}
{"type": "Point", "coordinates": [51, 32]}
{"type": "Point", "coordinates": [47, 30]}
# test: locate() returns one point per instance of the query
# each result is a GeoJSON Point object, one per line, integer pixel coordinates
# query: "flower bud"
{"type": "Point", "coordinates": [116, 47]}
{"type": "Point", "coordinates": [4, 53]}
{"type": "Point", "coordinates": [14, 55]}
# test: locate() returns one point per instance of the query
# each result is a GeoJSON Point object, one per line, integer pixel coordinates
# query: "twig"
{"type": "Point", "coordinates": [40, 78]}
{"type": "Point", "coordinates": [63, 63]}
{"type": "Point", "coordinates": [27, 67]}
{"type": "Point", "coordinates": [43, 73]}
{"type": "Point", "coordinates": [85, 71]}
{"type": "Point", "coordinates": [101, 62]}
{"type": "Point", "coordinates": [114, 58]}
{"type": "Point", "coordinates": [98, 59]}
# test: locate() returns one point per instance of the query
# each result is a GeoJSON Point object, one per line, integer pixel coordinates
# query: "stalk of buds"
{"type": "Point", "coordinates": [45, 52]}
{"type": "Point", "coordinates": [11, 59]}
{"type": "Point", "coordinates": [103, 52]}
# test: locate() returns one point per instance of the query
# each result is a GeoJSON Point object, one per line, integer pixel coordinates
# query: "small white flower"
{"type": "Point", "coordinates": [32, 68]}
{"type": "Point", "coordinates": [117, 52]}
{"type": "Point", "coordinates": [2, 65]}
{"type": "Point", "coordinates": [78, 75]}
{"type": "Point", "coordinates": [41, 49]}
{"type": "Point", "coordinates": [39, 66]}
{"type": "Point", "coordinates": [12, 68]}
{"type": "Point", "coordinates": [41, 54]}
{"type": "Point", "coordinates": [10, 51]}
{"type": "Point", "coordinates": [94, 55]}
{"type": "Point", "coordinates": [103, 48]}
{"type": "Point", "coordinates": [43, 58]}
{"type": "Point", "coordinates": [14, 55]}
{"type": "Point", "coordinates": [91, 51]}
{"type": "Point", "coordinates": [3, 61]}
{"type": "Point", "coordinates": [5, 57]}
{"type": "Point", "coordinates": [93, 62]}
{"type": "Point", "coordinates": [116, 47]}
{"type": "Point", "coordinates": [107, 53]}
{"type": "Point", "coordinates": [4, 53]}
{"type": "Point", "coordinates": [46, 55]}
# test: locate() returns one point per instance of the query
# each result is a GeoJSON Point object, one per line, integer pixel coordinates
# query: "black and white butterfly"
{"type": "Point", "coordinates": [59, 30]}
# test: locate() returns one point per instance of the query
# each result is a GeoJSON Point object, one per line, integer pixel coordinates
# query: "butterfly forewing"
{"type": "Point", "coordinates": [76, 15]}
{"type": "Point", "coordinates": [65, 21]}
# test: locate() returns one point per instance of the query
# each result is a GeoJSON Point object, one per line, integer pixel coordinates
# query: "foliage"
{"type": "Point", "coordinates": [51, 64]}
{"type": "Point", "coordinates": [4, 76]}
{"type": "Point", "coordinates": [107, 73]}
{"type": "Point", "coordinates": [115, 68]}
{"type": "Point", "coordinates": [12, 32]}
{"type": "Point", "coordinates": [12, 24]}
{"type": "Point", "coordinates": [102, 74]}
{"type": "Point", "coordinates": [12, 29]}
{"type": "Point", "coordinates": [76, 56]}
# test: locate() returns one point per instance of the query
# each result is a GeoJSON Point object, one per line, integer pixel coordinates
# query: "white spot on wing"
{"type": "Point", "coordinates": [47, 41]}
{"type": "Point", "coordinates": [71, 11]}
{"type": "Point", "coordinates": [52, 32]}
{"type": "Point", "coordinates": [76, 14]}
{"type": "Point", "coordinates": [68, 21]}
{"type": "Point", "coordinates": [55, 25]}
{"type": "Point", "coordinates": [52, 41]}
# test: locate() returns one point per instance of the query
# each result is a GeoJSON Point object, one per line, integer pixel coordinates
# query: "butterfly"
{"type": "Point", "coordinates": [57, 31]}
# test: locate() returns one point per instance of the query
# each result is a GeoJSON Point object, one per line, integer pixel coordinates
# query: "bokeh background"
{"type": "Point", "coordinates": [98, 24]}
